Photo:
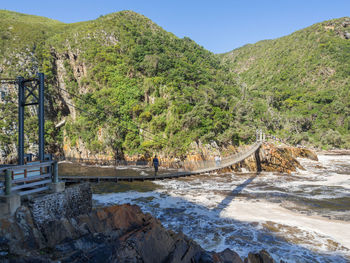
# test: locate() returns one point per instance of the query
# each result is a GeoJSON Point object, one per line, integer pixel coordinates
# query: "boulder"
{"type": "Point", "coordinates": [227, 256]}
{"type": "Point", "coordinates": [262, 257]}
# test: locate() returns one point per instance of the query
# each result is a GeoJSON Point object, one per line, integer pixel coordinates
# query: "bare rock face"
{"type": "Point", "coordinates": [261, 257]}
{"type": "Point", "coordinates": [227, 256]}
{"type": "Point", "coordinates": [272, 159]}
{"type": "Point", "coordinates": [302, 153]}
{"type": "Point", "coordinates": [275, 159]}
{"type": "Point", "coordinates": [120, 233]}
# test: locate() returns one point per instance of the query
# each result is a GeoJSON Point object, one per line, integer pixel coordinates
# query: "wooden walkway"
{"type": "Point", "coordinates": [207, 167]}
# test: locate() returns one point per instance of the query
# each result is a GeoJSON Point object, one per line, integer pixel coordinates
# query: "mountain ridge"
{"type": "Point", "coordinates": [148, 90]}
{"type": "Point", "coordinates": [310, 66]}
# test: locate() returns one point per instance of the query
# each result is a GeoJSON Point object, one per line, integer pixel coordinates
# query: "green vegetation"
{"type": "Point", "coordinates": [301, 82]}
{"type": "Point", "coordinates": [141, 89]}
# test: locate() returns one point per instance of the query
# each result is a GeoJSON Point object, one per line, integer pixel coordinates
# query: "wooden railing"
{"type": "Point", "coordinates": [27, 179]}
{"type": "Point", "coordinates": [95, 161]}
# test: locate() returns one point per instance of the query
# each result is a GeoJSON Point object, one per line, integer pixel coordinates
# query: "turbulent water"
{"type": "Point", "coordinates": [303, 217]}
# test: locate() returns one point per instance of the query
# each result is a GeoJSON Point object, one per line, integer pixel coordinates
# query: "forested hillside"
{"type": "Point", "coordinates": [140, 88]}
{"type": "Point", "coordinates": [121, 84]}
{"type": "Point", "coordinates": [302, 83]}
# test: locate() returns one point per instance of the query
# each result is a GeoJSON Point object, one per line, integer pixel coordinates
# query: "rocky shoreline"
{"type": "Point", "coordinates": [335, 152]}
{"type": "Point", "coordinates": [63, 227]}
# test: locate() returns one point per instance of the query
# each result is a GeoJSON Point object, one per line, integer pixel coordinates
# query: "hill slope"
{"type": "Point", "coordinates": [139, 89]}
{"type": "Point", "coordinates": [302, 83]}
{"type": "Point", "coordinates": [121, 84]}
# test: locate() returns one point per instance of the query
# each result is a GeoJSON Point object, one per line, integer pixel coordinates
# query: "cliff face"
{"type": "Point", "coordinates": [120, 233]}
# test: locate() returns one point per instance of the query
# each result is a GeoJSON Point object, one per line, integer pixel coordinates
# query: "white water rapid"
{"type": "Point", "coordinates": [303, 217]}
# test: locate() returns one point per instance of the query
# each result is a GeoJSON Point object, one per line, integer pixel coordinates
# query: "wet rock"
{"type": "Point", "coordinates": [262, 257]}
{"type": "Point", "coordinates": [91, 250]}
{"type": "Point", "coordinates": [203, 258]}
{"type": "Point", "coordinates": [227, 256]}
{"type": "Point", "coordinates": [4, 247]}
{"type": "Point", "coordinates": [30, 259]}
{"type": "Point", "coordinates": [31, 238]}
{"type": "Point", "coordinates": [18, 233]}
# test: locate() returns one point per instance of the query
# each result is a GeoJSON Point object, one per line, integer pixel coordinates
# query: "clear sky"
{"type": "Point", "coordinates": [218, 25]}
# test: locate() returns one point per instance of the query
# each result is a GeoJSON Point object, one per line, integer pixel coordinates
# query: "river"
{"type": "Point", "coordinates": [303, 217]}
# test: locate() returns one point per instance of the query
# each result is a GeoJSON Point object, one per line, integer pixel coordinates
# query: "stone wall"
{"type": "Point", "coordinates": [72, 202]}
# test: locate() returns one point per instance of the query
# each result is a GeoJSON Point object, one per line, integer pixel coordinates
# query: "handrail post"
{"type": "Point", "coordinates": [55, 172]}
{"type": "Point", "coordinates": [56, 186]}
{"type": "Point", "coordinates": [8, 182]}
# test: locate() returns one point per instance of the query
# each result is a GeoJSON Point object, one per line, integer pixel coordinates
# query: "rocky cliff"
{"type": "Point", "coordinates": [78, 233]}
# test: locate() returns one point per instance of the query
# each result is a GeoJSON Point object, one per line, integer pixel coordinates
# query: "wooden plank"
{"type": "Point", "coordinates": [17, 187]}
{"type": "Point", "coordinates": [29, 170]}
{"type": "Point", "coordinates": [22, 167]}
{"type": "Point", "coordinates": [17, 175]}
{"type": "Point", "coordinates": [33, 171]}
{"type": "Point", "coordinates": [32, 191]}
{"type": "Point", "coordinates": [33, 178]}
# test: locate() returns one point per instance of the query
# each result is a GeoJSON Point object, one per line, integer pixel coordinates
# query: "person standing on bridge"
{"type": "Point", "coordinates": [155, 162]}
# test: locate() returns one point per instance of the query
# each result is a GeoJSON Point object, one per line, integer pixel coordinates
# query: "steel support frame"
{"type": "Point", "coordinates": [41, 118]}
{"type": "Point", "coordinates": [21, 102]}
{"type": "Point", "coordinates": [39, 81]}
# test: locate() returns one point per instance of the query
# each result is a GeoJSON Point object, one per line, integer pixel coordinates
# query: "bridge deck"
{"type": "Point", "coordinates": [227, 162]}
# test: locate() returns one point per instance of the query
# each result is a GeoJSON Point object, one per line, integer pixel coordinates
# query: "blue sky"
{"type": "Point", "coordinates": [218, 25]}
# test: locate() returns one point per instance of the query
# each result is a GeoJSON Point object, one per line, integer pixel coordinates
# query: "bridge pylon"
{"type": "Point", "coordinates": [260, 136]}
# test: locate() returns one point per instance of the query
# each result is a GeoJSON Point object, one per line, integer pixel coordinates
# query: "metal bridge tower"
{"type": "Point", "coordinates": [24, 93]}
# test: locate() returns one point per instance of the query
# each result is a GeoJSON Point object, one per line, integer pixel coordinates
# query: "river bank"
{"type": "Point", "coordinates": [300, 217]}
{"type": "Point", "coordinates": [63, 227]}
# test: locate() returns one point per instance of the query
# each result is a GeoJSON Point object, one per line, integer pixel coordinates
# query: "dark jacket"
{"type": "Point", "coordinates": [155, 161]}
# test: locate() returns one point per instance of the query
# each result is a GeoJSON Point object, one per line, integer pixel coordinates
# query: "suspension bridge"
{"type": "Point", "coordinates": [201, 167]}
{"type": "Point", "coordinates": [29, 177]}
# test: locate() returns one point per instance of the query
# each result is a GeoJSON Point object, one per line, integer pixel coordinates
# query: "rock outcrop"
{"type": "Point", "coordinates": [120, 233]}
{"type": "Point", "coordinates": [262, 256]}
{"type": "Point", "coordinates": [273, 159]}
{"type": "Point", "coordinates": [301, 152]}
